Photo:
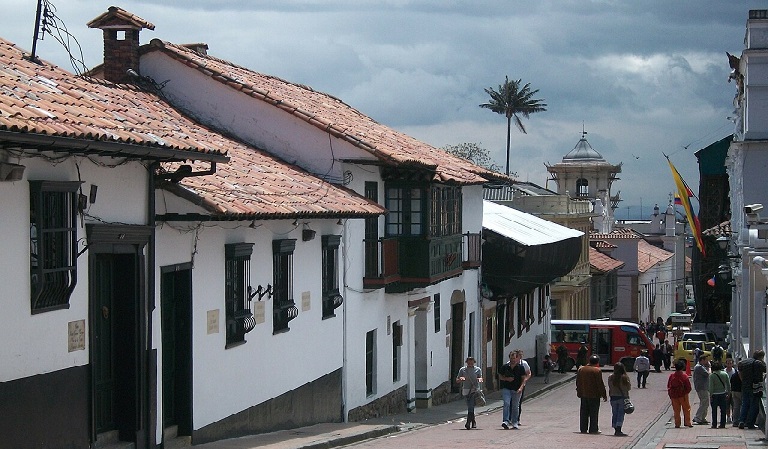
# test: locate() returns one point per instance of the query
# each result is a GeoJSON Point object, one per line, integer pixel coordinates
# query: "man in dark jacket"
{"type": "Point", "coordinates": [752, 372]}
{"type": "Point", "coordinates": [590, 388]}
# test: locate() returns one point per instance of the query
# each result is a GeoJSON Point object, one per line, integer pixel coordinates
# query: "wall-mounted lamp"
{"type": "Point", "coordinates": [295, 222]}
{"type": "Point", "coordinates": [253, 224]}
{"type": "Point", "coordinates": [11, 172]}
{"type": "Point", "coordinates": [307, 234]}
{"type": "Point", "coordinates": [340, 222]}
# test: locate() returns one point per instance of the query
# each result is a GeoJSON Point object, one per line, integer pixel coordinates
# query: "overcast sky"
{"type": "Point", "coordinates": [642, 77]}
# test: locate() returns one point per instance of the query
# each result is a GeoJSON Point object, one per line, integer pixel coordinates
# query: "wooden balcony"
{"type": "Point", "coordinates": [471, 245]}
{"type": "Point", "coordinates": [382, 260]}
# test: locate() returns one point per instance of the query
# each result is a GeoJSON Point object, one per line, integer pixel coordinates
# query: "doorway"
{"type": "Point", "coordinates": [176, 319]}
{"type": "Point", "coordinates": [115, 364]}
{"type": "Point", "coordinates": [457, 343]}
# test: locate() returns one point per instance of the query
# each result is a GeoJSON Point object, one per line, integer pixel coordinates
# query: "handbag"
{"type": "Point", "coordinates": [479, 398]}
{"type": "Point", "coordinates": [629, 407]}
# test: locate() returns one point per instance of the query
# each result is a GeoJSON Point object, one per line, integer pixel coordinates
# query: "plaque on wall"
{"type": "Point", "coordinates": [258, 312]}
{"type": "Point", "coordinates": [76, 335]}
{"type": "Point", "coordinates": [305, 303]}
{"type": "Point", "coordinates": [213, 321]}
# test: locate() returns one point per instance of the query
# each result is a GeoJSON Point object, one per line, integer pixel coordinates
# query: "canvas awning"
{"type": "Point", "coordinates": [522, 251]}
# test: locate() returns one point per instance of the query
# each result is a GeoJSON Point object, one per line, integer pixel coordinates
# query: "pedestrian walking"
{"type": "Point", "coordinates": [752, 372]}
{"type": "Point", "coordinates": [719, 389]}
{"type": "Point", "coordinates": [470, 377]}
{"type": "Point", "coordinates": [718, 353]}
{"type": "Point", "coordinates": [701, 385]}
{"type": "Point", "coordinates": [618, 390]}
{"type": "Point", "coordinates": [511, 375]}
{"type": "Point", "coordinates": [678, 389]}
{"type": "Point", "coordinates": [562, 358]}
{"type": "Point", "coordinates": [547, 367]}
{"type": "Point", "coordinates": [642, 368]}
{"type": "Point", "coordinates": [736, 396]}
{"type": "Point", "coordinates": [730, 370]}
{"type": "Point", "coordinates": [581, 356]}
{"type": "Point", "coordinates": [590, 388]}
{"type": "Point", "coordinates": [658, 357]}
{"type": "Point", "coordinates": [668, 351]}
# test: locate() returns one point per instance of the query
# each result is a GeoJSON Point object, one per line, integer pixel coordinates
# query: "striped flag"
{"type": "Point", "coordinates": [678, 201]}
{"type": "Point", "coordinates": [684, 195]}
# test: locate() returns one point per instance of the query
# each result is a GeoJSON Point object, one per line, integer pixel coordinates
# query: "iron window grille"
{"type": "Point", "coordinates": [283, 307]}
{"type": "Point", "coordinates": [331, 296]}
{"type": "Point", "coordinates": [239, 318]}
{"type": "Point", "coordinates": [53, 244]}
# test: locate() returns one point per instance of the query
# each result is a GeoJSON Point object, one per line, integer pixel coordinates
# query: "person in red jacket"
{"type": "Point", "coordinates": [678, 388]}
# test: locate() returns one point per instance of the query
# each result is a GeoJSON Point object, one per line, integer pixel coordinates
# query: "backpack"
{"type": "Point", "coordinates": [676, 387]}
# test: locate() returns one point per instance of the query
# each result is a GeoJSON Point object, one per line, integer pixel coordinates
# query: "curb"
{"type": "Point", "coordinates": [356, 438]}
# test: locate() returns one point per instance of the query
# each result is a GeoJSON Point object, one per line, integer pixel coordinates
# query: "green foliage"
{"type": "Point", "coordinates": [473, 153]}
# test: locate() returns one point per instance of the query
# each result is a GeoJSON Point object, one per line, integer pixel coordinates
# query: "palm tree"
{"type": "Point", "coordinates": [514, 101]}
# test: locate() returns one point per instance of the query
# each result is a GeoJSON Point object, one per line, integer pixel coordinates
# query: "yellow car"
{"type": "Point", "coordinates": [685, 349]}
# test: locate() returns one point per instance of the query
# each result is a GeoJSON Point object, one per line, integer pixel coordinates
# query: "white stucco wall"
{"type": "Point", "coordinates": [227, 381]}
{"type": "Point", "coordinates": [37, 344]}
{"type": "Point", "coordinates": [256, 122]}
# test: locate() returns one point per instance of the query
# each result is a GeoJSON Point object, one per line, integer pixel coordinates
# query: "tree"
{"type": "Point", "coordinates": [514, 101]}
{"type": "Point", "coordinates": [473, 153]}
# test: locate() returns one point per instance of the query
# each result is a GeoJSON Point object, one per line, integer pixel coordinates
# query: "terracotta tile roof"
{"type": "Point", "coordinates": [601, 244]}
{"type": "Point", "coordinates": [331, 115]}
{"type": "Point", "coordinates": [42, 99]}
{"type": "Point", "coordinates": [255, 184]}
{"type": "Point", "coordinates": [649, 255]}
{"type": "Point", "coordinates": [623, 233]}
{"type": "Point", "coordinates": [723, 229]}
{"type": "Point", "coordinates": [118, 15]}
{"type": "Point", "coordinates": [603, 262]}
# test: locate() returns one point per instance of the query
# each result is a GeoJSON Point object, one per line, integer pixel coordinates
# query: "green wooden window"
{"type": "Point", "coordinates": [283, 306]}
{"type": "Point", "coordinates": [237, 275]}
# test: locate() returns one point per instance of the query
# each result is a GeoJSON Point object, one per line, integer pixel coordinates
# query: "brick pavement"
{"type": "Point", "coordinates": [549, 419]}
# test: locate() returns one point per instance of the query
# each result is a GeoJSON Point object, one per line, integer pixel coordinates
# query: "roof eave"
{"type": "Point", "coordinates": [44, 142]}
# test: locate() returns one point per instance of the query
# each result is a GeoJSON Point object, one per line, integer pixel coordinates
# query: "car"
{"type": "Point", "coordinates": [685, 349]}
{"type": "Point", "coordinates": [699, 336]}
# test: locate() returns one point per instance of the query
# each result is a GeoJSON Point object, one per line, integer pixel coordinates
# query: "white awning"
{"type": "Point", "coordinates": [525, 229]}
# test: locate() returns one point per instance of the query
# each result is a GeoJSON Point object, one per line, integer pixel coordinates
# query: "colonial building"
{"type": "Point", "coordinates": [584, 173]}
{"type": "Point", "coordinates": [366, 317]}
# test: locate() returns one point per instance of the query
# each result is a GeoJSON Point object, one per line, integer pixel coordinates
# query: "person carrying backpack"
{"type": "Point", "coordinates": [717, 353]}
{"type": "Point", "coordinates": [678, 389]}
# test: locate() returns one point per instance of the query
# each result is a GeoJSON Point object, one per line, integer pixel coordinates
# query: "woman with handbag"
{"type": "Point", "coordinates": [618, 390]}
{"type": "Point", "coordinates": [719, 389]}
{"type": "Point", "coordinates": [470, 377]}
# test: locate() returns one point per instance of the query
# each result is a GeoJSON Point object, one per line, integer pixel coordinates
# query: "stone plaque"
{"type": "Point", "coordinates": [76, 335]}
{"type": "Point", "coordinates": [305, 303]}
{"type": "Point", "coordinates": [213, 321]}
{"type": "Point", "coordinates": [258, 312]}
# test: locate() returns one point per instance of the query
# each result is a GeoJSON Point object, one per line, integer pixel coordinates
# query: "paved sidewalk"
{"type": "Point", "coordinates": [329, 435]}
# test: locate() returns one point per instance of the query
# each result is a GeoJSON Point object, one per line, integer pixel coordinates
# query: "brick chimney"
{"type": "Point", "coordinates": [121, 42]}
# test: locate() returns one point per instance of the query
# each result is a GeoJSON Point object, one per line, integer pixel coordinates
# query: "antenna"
{"type": "Point", "coordinates": [32, 56]}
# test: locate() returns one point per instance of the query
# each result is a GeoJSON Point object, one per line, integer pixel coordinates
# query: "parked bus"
{"type": "Point", "coordinates": [612, 341]}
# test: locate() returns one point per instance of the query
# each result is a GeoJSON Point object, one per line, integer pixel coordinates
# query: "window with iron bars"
{"type": "Point", "coordinates": [237, 275]}
{"type": "Point", "coordinates": [53, 244]}
{"type": "Point", "coordinates": [331, 295]}
{"type": "Point", "coordinates": [283, 306]}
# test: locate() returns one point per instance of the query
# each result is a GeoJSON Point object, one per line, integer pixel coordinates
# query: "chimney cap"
{"type": "Point", "coordinates": [119, 18]}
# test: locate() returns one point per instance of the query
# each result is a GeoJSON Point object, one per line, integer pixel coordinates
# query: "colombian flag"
{"type": "Point", "coordinates": [684, 195]}
{"type": "Point", "coordinates": [678, 201]}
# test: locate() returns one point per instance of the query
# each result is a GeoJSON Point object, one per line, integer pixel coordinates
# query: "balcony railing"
{"type": "Point", "coordinates": [382, 260]}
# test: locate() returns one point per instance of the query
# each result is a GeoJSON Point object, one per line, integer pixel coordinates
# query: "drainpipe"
{"type": "Point", "coordinates": [151, 355]}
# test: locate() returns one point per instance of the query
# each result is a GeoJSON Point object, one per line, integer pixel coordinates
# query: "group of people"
{"type": "Point", "coordinates": [512, 378]}
{"type": "Point", "coordinates": [732, 390]}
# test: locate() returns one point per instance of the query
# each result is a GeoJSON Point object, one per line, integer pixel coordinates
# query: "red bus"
{"type": "Point", "coordinates": [612, 341]}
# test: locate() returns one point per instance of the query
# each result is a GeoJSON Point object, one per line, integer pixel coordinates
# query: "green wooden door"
{"type": "Point", "coordinates": [176, 315]}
